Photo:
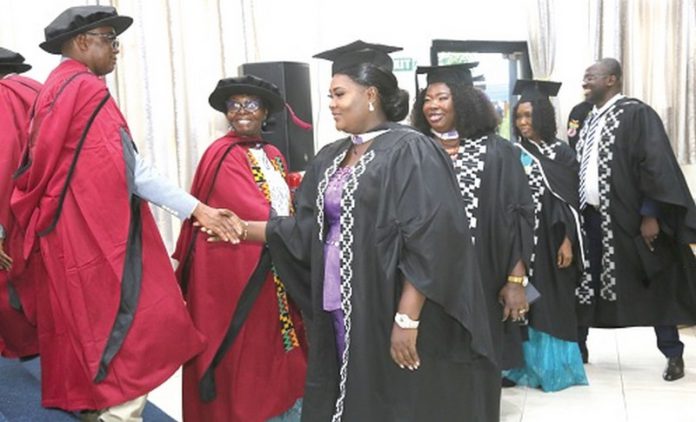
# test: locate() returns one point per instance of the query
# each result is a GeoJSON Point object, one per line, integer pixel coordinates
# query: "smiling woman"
{"type": "Point", "coordinates": [247, 174]}
{"type": "Point", "coordinates": [246, 114]}
{"type": "Point", "coordinates": [496, 199]}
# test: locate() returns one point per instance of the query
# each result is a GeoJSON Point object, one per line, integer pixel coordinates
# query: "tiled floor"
{"type": "Point", "coordinates": [625, 374]}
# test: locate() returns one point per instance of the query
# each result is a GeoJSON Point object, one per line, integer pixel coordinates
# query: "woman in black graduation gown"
{"type": "Point", "coordinates": [497, 199]}
{"type": "Point", "coordinates": [395, 321]}
{"type": "Point", "coordinates": [552, 356]}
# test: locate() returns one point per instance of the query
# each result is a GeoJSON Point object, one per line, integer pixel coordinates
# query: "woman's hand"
{"type": "Point", "coordinates": [403, 347]}
{"type": "Point", "coordinates": [5, 259]}
{"type": "Point", "coordinates": [565, 254]}
{"type": "Point", "coordinates": [649, 229]}
{"type": "Point", "coordinates": [514, 301]}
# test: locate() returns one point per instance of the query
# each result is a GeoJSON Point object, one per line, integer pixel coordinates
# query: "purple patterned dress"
{"type": "Point", "coordinates": [332, 257]}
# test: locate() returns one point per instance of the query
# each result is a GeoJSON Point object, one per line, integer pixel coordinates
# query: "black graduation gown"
{"type": "Point", "coordinates": [406, 222]}
{"type": "Point", "coordinates": [651, 288]}
{"type": "Point", "coordinates": [554, 312]}
{"type": "Point", "coordinates": [504, 235]}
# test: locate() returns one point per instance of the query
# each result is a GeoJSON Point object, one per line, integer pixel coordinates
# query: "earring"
{"type": "Point", "coordinates": [370, 107]}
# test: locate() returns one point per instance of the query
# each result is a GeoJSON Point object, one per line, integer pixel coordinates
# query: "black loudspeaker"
{"type": "Point", "coordinates": [292, 78]}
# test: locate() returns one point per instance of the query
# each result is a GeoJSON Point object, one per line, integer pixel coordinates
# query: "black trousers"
{"type": "Point", "coordinates": [667, 335]}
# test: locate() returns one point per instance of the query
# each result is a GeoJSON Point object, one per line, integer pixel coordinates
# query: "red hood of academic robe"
{"type": "Point", "coordinates": [84, 254]}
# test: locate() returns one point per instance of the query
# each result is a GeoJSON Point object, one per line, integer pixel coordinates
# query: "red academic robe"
{"type": "Point", "coordinates": [17, 332]}
{"type": "Point", "coordinates": [99, 346]}
{"type": "Point", "coordinates": [257, 379]}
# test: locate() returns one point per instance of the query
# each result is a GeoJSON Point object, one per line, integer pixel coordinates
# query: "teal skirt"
{"type": "Point", "coordinates": [551, 364]}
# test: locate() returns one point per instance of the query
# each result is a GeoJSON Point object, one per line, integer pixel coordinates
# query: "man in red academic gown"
{"type": "Point", "coordinates": [17, 94]}
{"type": "Point", "coordinates": [111, 318]}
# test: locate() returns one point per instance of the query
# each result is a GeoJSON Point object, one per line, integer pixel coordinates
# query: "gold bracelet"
{"type": "Point", "coordinates": [246, 230]}
{"type": "Point", "coordinates": [518, 279]}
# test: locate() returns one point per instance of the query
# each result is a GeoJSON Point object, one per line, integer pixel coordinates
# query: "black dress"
{"type": "Point", "coordinates": [401, 218]}
{"type": "Point", "coordinates": [499, 208]}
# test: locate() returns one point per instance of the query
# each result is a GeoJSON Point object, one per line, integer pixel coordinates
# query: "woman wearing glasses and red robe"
{"type": "Point", "coordinates": [254, 366]}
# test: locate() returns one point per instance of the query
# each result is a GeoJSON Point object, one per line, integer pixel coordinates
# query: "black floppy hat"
{"type": "Point", "coordinates": [532, 89]}
{"type": "Point", "coordinates": [12, 62]}
{"type": "Point", "coordinates": [359, 52]}
{"type": "Point", "coordinates": [249, 85]}
{"type": "Point", "coordinates": [76, 20]}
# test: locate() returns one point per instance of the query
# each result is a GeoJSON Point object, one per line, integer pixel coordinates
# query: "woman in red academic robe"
{"type": "Point", "coordinates": [254, 366]}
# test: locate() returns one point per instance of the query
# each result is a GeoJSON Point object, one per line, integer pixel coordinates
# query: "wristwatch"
{"type": "Point", "coordinates": [518, 279]}
{"type": "Point", "coordinates": [3, 233]}
{"type": "Point", "coordinates": [405, 322]}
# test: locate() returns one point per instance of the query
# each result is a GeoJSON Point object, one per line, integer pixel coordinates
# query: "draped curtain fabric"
{"type": "Point", "coordinates": [654, 40]}
{"type": "Point", "coordinates": [541, 39]}
{"type": "Point", "coordinates": [541, 36]}
{"type": "Point", "coordinates": [656, 44]}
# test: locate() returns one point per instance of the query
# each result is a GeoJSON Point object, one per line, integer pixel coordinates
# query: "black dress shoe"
{"type": "Point", "coordinates": [507, 383]}
{"type": "Point", "coordinates": [674, 369]}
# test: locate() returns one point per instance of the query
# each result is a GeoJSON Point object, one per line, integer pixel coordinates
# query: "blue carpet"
{"type": "Point", "coordinates": [20, 396]}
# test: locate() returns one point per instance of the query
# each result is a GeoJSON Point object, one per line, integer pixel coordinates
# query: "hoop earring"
{"type": "Point", "coordinates": [370, 107]}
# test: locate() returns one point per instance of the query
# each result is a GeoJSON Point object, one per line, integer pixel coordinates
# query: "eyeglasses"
{"type": "Point", "coordinates": [110, 36]}
{"type": "Point", "coordinates": [591, 77]}
{"type": "Point", "coordinates": [248, 105]}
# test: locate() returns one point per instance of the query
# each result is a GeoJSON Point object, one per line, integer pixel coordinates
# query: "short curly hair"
{"type": "Point", "coordinates": [476, 115]}
{"type": "Point", "coordinates": [543, 119]}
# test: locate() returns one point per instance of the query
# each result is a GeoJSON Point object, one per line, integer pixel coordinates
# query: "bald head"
{"type": "Point", "coordinates": [602, 81]}
{"type": "Point", "coordinates": [611, 66]}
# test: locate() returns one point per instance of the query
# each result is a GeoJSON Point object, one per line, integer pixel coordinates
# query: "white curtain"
{"type": "Point", "coordinates": [541, 39]}
{"type": "Point", "coordinates": [661, 56]}
{"type": "Point", "coordinates": [656, 44]}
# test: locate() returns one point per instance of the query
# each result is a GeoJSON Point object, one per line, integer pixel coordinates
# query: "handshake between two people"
{"type": "Point", "coordinates": [219, 223]}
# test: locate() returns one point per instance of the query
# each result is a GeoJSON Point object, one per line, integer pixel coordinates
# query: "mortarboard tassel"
{"type": "Point", "coordinates": [296, 120]}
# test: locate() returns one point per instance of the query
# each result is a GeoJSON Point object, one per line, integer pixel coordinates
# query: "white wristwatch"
{"type": "Point", "coordinates": [403, 321]}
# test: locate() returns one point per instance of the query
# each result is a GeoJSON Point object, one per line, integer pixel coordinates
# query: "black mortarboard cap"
{"type": "Point", "coordinates": [79, 19]}
{"type": "Point", "coordinates": [451, 73]}
{"type": "Point", "coordinates": [359, 52]}
{"type": "Point", "coordinates": [12, 62]}
{"type": "Point", "coordinates": [530, 90]}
